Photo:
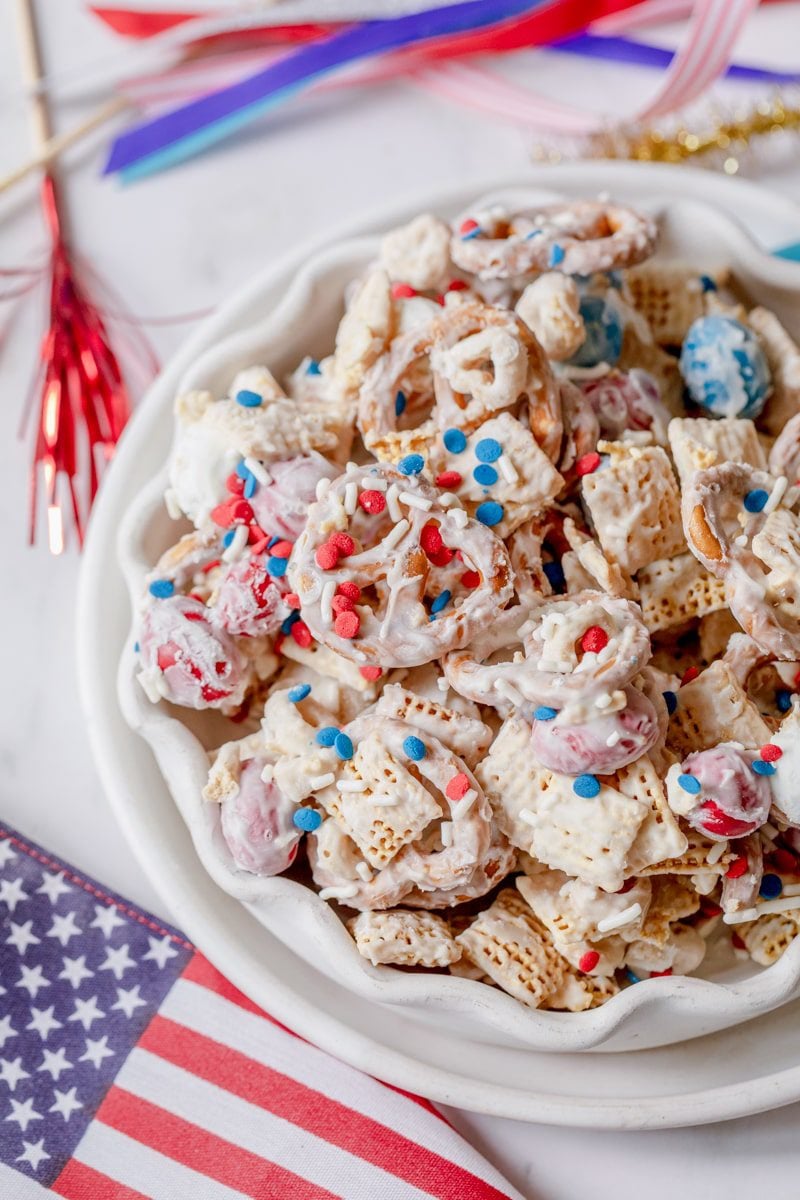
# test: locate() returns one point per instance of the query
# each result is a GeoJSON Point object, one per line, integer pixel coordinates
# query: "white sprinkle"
{"type": "Point", "coordinates": [351, 785]}
{"type": "Point", "coordinates": [525, 628]}
{"type": "Point", "coordinates": [624, 918]}
{"type": "Point", "coordinates": [446, 833]}
{"type": "Point", "coordinates": [462, 807]}
{"type": "Point", "coordinates": [791, 889]}
{"type": "Point", "coordinates": [776, 495]}
{"type": "Point", "coordinates": [741, 540]}
{"type": "Point", "coordinates": [150, 687]}
{"type": "Point", "coordinates": [238, 543]}
{"type": "Point", "coordinates": [397, 534]}
{"type": "Point", "coordinates": [716, 852]}
{"type": "Point", "coordinates": [448, 499]}
{"type": "Point", "coordinates": [363, 872]}
{"type": "Point", "coordinates": [780, 904]}
{"type": "Point", "coordinates": [174, 509]}
{"type": "Point", "coordinates": [416, 501]}
{"type": "Point", "coordinates": [351, 466]}
{"type": "Point", "coordinates": [613, 738]}
{"type": "Point", "coordinates": [528, 817]}
{"type": "Point", "coordinates": [509, 691]}
{"type": "Point", "coordinates": [603, 701]}
{"type": "Point", "coordinates": [322, 488]}
{"type": "Point", "coordinates": [268, 774]}
{"type": "Point", "coordinates": [350, 497]}
{"type": "Point", "coordinates": [321, 781]}
{"type": "Point", "coordinates": [459, 518]}
{"type": "Point", "coordinates": [343, 892]}
{"type": "Point", "coordinates": [381, 800]}
{"type": "Point", "coordinates": [258, 470]}
{"type": "Point", "coordinates": [326, 601]}
{"type": "Point", "coordinates": [442, 683]}
{"type": "Point", "coordinates": [507, 469]}
{"type": "Point", "coordinates": [374, 483]}
{"type": "Point", "coordinates": [395, 511]}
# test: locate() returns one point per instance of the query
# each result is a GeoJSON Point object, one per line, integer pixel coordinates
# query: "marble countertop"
{"type": "Point", "coordinates": [177, 244]}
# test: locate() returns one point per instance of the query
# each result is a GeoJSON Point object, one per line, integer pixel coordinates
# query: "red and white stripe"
{"type": "Point", "coordinates": [217, 1101]}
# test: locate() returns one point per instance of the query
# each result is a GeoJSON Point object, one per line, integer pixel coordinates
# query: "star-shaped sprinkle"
{"type": "Point", "coordinates": [161, 950]}
{"type": "Point", "coordinates": [128, 1000]}
{"type": "Point", "coordinates": [7, 1030]}
{"type": "Point", "coordinates": [6, 852]}
{"type": "Point", "coordinates": [11, 893]}
{"type": "Point", "coordinates": [11, 1072]}
{"type": "Point", "coordinates": [53, 886]}
{"type": "Point", "coordinates": [32, 979]}
{"type": "Point", "coordinates": [43, 1021]}
{"type": "Point", "coordinates": [64, 928]}
{"type": "Point", "coordinates": [96, 1050]}
{"type": "Point", "coordinates": [21, 936]}
{"type": "Point", "coordinates": [65, 1103]}
{"type": "Point", "coordinates": [55, 1062]}
{"type": "Point", "coordinates": [118, 961]}
{"type": "Point", "coordinates": [34, 1154]}
{"type": "Point", "coordinates": [75, 970]}
{"type": "Point", "coordinates": [86, 1011]}
{"type": "Point", "coordinates": [23, 1112]}
{"type": "Point", "coordinates": [107, 919]}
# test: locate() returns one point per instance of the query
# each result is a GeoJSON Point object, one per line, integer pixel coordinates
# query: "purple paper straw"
{"type": "Point", "coordinates": [644, 54]}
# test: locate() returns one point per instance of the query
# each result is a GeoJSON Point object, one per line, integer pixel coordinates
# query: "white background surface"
{"type": "Point", "coordinates": [179, 243]}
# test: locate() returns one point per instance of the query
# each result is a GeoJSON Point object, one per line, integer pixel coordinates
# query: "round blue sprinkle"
{"type": "Point", "coordinates": [251, 483]}
{"type": "Point", "coordinates": [763, 768]}
{"type": "Point", "coordinates": [248, 399]}
{"type": "Point", "coordinates": [277, 566]}
{"type": "Point", "coordinates": [556, 255]}
{"type": "Point", "coordinates": [488, 450]}
{"type": "Point", "coordinates": [327, 736]}
{"type": "Point", "coordinates": [343, 746]}
{"type": "Point", "coordinates": [313, 367]}
{"type": "Point", "coordinates": [754, 501]}
{"type": "Point", "coordinates": [671, 701]}
{"type": "Point", "coordinates": [586, 786]}
{"type": "Point", "coordinates": [296, 694]}
{"type": "Point", "coordinates": [228, 537]}
{"type": "Point", "coordinates": [555, 576]}
{"type": "Point", "coordinates": [783, 699]}
{"type": "Point", "coordinates": [136, 647]}
{"type": "Point", "coordinates": [411, 464]}
{"type": "Point", "coordinates": [707, 283]}
{"type": "Point", "coordinates": [415, 748]}
{"type": "Point", "coordinates": [441, 601]}
{"type": "Point", "coordinates": [162, 588]}
{"type": "Point", "coordinates": [689, 784]}
{"type": "Point", "coordinates": [771, 887]}
{"type": "Point", "coordinates": [307, 819]}
{"type": "Point", "coordinates": [484, 475]}
{"type": "Point", "coordinates": [455, 441]}
{"type": "Point", "coordinates": [399, 404]}
{"type": "Point", "coordinates": [286, 626]}
{"type": "Point", "coordinates": [490, 512]}
{"type": "Point", "coordinates": [545, 713]}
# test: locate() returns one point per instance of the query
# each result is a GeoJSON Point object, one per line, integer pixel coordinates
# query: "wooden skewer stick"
{"type": "Point", "coordinates": [55, 146]}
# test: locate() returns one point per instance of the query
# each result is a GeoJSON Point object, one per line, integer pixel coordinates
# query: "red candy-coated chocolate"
{"type": "Point", "coordinates": [441, 557]}
{"type": "Point", "coordinates": [341, 604]}
{"type": "Point", "coordinates": [449, 479]}
{"type": "Point", "coordinates": [327, 556]}
{"type": "Point", "coordinates": [431, 539]}
{"type": "Point", "coordinates": [241, 512]}
{"type": "Point", "coordinates": [458, 787]}
{"type": "Point", "coordinates": [588, 961]}
{"type": "Point", "coordinates": [715, 820]}
{"type": "Point", "coordinates": [660, 974]}
{"type": "Point", "coordinates": [470, 579]}
{"type": "Point", "coordinates": [737, 867]}
{"type": "Point", "coordinates": [587, 463]}
{"type": "Point", "coordinates": [594, 640]}
{"type": "Point", "coordinates": [403, 291]}
{"type": "Point", "coordinates": [771, 753]}
{"type": "Point", "coordinates": [349, 589]}
{"type": "Point", "coordinates": [372, 501]}
{"type": "Point", "coordinates": [371, 673]}
{"type": "Point", "coordinates": [342, 542]}
{"type": "Point", "coordinates": [737, 941]}
{"type": "Point", "coordinates": [302, 634]}
{"type": "Point", "coordinates": [457, 285]}
{"type": "Point", "coordinates": [235, 484]}
{"type": "Point", "coordinates": [689, 674]}
{"type": "Point", "coordinates": [347, 624]}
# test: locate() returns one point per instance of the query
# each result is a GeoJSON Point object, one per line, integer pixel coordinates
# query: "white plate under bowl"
{"type": "Point", "coordinates": [425, 1049]}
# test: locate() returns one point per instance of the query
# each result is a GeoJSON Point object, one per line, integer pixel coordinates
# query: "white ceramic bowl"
{"type": "Point", "coordinates": [655, 1012]}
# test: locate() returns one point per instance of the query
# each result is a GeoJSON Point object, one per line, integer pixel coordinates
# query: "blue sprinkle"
{"type": "Point", "coordinates": [162, 588]}
{"type": "Point", "coordinates": [415, 748]}
{"type": "Point", "coordinates": [455, 441]}
{"type": "Point", "coordinates": [136, 647]}
{"type": "Point", "coordinates": [411, 464]}
{"type": "Point", "coordinates": [471, 233]}
{"type": "Point", "coordinates": [484, 475]}
{"type": "Point", "coordinates": [343, 746]}
{"type": "Point", "coordinates": [534, 233]}
{"type": "Point", "coordinates": [671, 701]}
{"type": "Point", "coordinates": [783, 699]}
{"type": "Point", "coordinates": [545, 713]}
{"type": "Point", "coordinates": [490, 512]}
{"type": "Point", "coordinates": [248, 399]}
{"type": "Point", "coordinates": [286, 625]}
{"type": "Point", "coordinates": [307, 819]}
{"type": "Point", "coordinates": [632, 978]}
{"type": "Point", "coordinates": [488, 450]}
{"type": "Point", "coordinates": [250, 486]}
{"type": "Point", "coordinates": [586, 786]}
{"type": "Point", "coordinates": [754, 501]}
{"type": "Point", "coordinates": [313, 367]}
{"type": "Point", "coordinates": [273, 541]}
{"type": "Point", "coordinates": [441, 601]}
{"type": "Point", "coordinates": [399, 404]}
{"type": "Point", "coordinates": [707, 283]}
{"type": "Point", "coordinates": [277, 566]}
{"type": "Point", "coordinates": [771, 887]}
{"type": "Point", "coordinates": [556, 255]}
{"type": "Point", "coordinates": [228, 538]}
{"type": "Point", "coordinates": [296, 694]}
{"type": "Point", "coordinates": [241, 470]}
{"type": "Point", "coordinates": [327, 736]}
{"type": "Point", "coordinates": [555, 576]}
{"type": "Point", "coordinates": [689, 784]}
{"type": "Point", "coordinates": [763, 768]}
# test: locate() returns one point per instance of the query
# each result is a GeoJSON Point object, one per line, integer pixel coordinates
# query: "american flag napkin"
{"type": "Point", "coordinates": [131, 1069]}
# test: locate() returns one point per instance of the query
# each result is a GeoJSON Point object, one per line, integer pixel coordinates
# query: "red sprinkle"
{"type": "Point", "coordinates": [235, 484]}
{"type": "Point", "coordinates": [256, 535]}
{"type": "Point", "coordinates": [292, 599]}
{"type": "Point", "coordinates": [457, 285]}
{"type": "Point", "coordinates": [771, 753]}
{"type": "Point", "coordinates": [449, 479]}
{"type": "Point", "coordinates": [349, 589]}
{"type": "Point", "coordinates": [588, 961]}
{"type": "Point", "coordinates": [689, 674]}
{"type": "Point", "coordinates": [468, 225]}
{"type": "Point", "coordinates": [346, 624]}
{"type": "Point", "coordinates": [371, 673]}
{"type": "Point", "coordinates": [372, 502]}
{"type": "Point", "coordinates": [470, 579]}
{"type": "Point", "coordinates": [341, 604]}
{"type": "Point", "coordinates": [660, 974]}
{"type": "Point", "coordinates": [587, 463]}
{"type": "Point", "coordinates": [343, 543]}
{"type": "Point", "coordinates": [327, 556]}
{"type": "Point", "coordinates": [784, 862]}
{"type": "Point", "coordinates": [223, 514]}
{"type": "Point", "coordinates": [594, 640]}
{"type": "Point", "coordinates": [282, 549]}
{"type": "Point", "coordinates": [441, 557]}
{"type": "Point", "coordinates": [737, 868]}
{"type": "Point", "coordinates": [260, 546]}
{"type": "Point", "coordinates": [403, 291]}
{"type": "Point", "coordinates": [458, 787]}
{"type": "Point", "coordinates": [431, 540]}
{"type": "Point", "coordinates": [302, 634]}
